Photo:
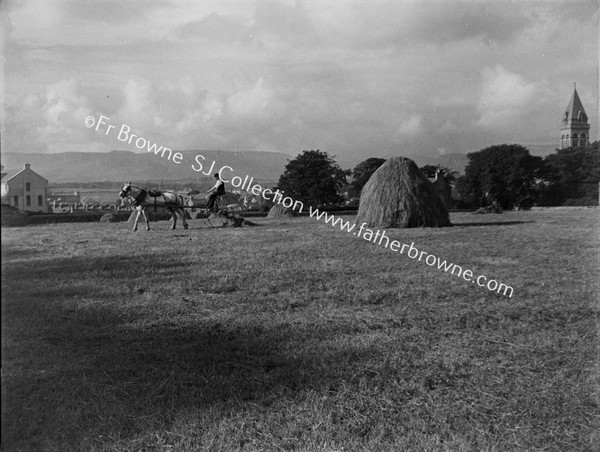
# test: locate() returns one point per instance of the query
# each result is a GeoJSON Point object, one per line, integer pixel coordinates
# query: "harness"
{"type": "Point", "coordinates": [137, 201]}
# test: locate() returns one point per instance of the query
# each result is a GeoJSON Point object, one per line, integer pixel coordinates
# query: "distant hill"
{"type": "Point", "coordinates": [455, 161]}
{"type": "Point", "coordinates": [120, 166]}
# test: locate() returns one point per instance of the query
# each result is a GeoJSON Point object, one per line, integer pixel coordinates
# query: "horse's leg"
{"type": "Point", "coordinates": [146, 218]}
{"type": "Point", "coordinates": [174, 218]}
{"type": "Point", "coordinates": [182, 211]}
{"type": "Point", "coordinates": [137, 217]}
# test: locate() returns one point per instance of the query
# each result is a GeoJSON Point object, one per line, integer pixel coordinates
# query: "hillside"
{"type": "Point", "coordinates": [119, 166]}
{"type": "Point", "coordinates": [122, 166]}
{"type": "Point", "coordinates": [454, 161]}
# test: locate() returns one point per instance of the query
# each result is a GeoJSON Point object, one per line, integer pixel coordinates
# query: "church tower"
{"type": "Point", "coordinates": [575, 130]}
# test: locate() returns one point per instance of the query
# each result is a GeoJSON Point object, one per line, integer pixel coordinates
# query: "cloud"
{"type": "Point", "coordinates": [349, 78]}
{"type": "Point", "coordinates": [252, 102]}
{"type": "Point", "coordinates": [411, 126]}
{"type": "Point", "coordinates": [505, 98]}
{"type": "Point", "coordinates": [276, 23]}
{"type": "Point", "coordinates": [52, 122]}
{"type": "Point", "coordinates": [215, 28]}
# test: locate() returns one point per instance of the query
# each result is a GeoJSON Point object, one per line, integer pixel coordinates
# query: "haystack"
{"type": "Point", "coordinates": [278, 211]}
{"type": "Point", "coordinates": [398, 195]}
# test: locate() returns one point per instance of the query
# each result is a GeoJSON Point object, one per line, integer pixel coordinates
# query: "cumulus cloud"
{"type": "Point", "coordinates": [412, 125]}
{"type": "Point", "coordinates": [254, 102]}
{"type": "Point", "coordinates": [215, 28]}
{"type": "Point", "coordinates": [348, 78]}
{"type": "Point", "coordinates": [505, 97]}
{"type": "Point", "coordinates": [50, 122]}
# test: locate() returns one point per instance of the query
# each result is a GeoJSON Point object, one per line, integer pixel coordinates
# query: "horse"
{"type": "Point", "coordinates": [142, 199]}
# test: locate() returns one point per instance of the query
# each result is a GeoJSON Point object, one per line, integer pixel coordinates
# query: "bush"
{"type": "Point", "coordinates": [11, 216]}
{"type": "Point", "coordinates": [64, 218]}
{"type": "Point", "coordinates": [585, 201]}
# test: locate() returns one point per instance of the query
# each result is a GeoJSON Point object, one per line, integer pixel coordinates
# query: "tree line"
{"type": "Point", "coordinates": [506, 175]}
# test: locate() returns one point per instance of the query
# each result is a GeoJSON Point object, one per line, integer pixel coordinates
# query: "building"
{"type": "Point", "coordinates": [575, 130]}
{"type": "Point", "coordinates": [25, 189]}
{"type": "Point", "coordinates": [442, 188]}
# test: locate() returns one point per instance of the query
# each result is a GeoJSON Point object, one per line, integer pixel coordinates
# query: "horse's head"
{"type": "Point", "coordinates": [125, 191]}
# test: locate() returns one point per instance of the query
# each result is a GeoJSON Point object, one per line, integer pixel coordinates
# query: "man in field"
{"type": "Point", "coordinates": [215, 192]}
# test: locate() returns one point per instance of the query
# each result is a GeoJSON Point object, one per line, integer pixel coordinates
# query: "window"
{"type": "Point", "coordinates": [27, 186]}
{"type": "Point", "coordinates": [40, 200]}
{"type": "Point", "coordinates": [16, 201]}
{"type": "Point", "coordinates": [28, 201]}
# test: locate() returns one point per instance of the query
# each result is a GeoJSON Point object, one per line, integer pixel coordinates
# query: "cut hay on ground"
{"type": "Point", "coordinates": [398, 195]}
{"type": "Point", "coordinates": [278, 211]}
{"type": "Point", "coordinates": [229, 219]}
{"type": "Point", "coordinates": [108, 218]}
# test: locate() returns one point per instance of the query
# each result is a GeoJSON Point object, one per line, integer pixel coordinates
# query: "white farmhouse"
{"type": "Point", "coordinates": [25, 189]}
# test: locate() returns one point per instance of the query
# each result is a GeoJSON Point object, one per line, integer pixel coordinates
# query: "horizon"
{"type": "Point", "coordinates": [351, 79]}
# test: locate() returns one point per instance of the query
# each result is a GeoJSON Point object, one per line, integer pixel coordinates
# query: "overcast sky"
{"type": "Point", "coordinates": [354, 78]}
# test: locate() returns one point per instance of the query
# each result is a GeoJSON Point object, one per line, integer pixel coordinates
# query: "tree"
{"type": "Point", "coordinates": [571, 174]}
{"type": "Point", "coordinates": [430, 170]}
{"type": "Point", "coordinates": [313, 178]}
{"type": "Point", "coordinates": [362, 173]}
{"type": "Point", "coordinates": [505, 174]}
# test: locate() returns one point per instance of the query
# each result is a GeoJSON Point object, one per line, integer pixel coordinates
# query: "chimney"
{"type": "Point", "coordinates": [27, 165]}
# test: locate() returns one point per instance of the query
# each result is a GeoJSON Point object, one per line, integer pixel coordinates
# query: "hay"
{"type": "Point", "coordinates": [108, 218]}
{"type": "Point", "coordinates": [230, 219]}
{"type": "Point", "coordinates": [398, 195]}
{"type": "Point", "coordinates": [278, 211]}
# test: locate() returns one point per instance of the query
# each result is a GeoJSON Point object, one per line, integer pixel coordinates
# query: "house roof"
{"type": "Point", "coordinates": [575, 112]}
{"type": "Point", "coordinates": [12, 173]}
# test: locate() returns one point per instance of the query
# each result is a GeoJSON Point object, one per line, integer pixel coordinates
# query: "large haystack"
{"type": "Point", "coordinates": [398, 195]}
{"type": "Point", "coordinates": [278, 211]}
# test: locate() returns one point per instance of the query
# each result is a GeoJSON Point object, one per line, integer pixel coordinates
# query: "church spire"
{"type": "Point", "coordinates": [575, 128]}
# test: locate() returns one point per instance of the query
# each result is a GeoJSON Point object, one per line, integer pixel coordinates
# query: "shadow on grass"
{"type": "Point", "coordinates": [491, 223]}
{"type": "Point", "coordinates": [49, 270]}
{"type": "Point", "coordinates": [101, 376]}
{"type": "Point", "coordinates": [88, 370]}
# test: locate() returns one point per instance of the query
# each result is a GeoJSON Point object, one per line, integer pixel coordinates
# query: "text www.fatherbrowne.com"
{"type": "Point", "coordinates": [412, 252]}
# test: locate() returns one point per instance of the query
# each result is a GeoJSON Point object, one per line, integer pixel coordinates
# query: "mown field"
{"type": "Point", "coordinates": [295, 336]}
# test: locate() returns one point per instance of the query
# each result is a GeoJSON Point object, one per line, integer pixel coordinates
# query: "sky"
{"type": "Point", "coordinates": [353, 78]}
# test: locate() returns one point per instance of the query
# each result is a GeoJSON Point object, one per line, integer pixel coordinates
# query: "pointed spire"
{"type": "Point", "coordinates": [575, 113]}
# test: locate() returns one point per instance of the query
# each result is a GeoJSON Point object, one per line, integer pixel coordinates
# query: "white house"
{"type": "Point", "coordinates": [25, 189]}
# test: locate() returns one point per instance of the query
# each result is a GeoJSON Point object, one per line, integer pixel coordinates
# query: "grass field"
{"type": "Point", "coordinates": [293, 335]}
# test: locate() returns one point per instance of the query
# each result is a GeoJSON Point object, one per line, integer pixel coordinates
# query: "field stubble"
{"type": "Point", "coordinates": [296, 336]}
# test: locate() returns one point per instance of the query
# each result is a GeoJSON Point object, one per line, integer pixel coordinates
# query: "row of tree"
{"type": "Point", "coordinates": [512, 178]}
{"type": "Point", "coordinates": [505, 175]}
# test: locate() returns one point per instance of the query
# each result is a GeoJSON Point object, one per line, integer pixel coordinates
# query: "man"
{"type": "Point", "coordinates": [215, 192]}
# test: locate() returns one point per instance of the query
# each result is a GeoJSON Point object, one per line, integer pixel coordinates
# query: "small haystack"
{"type": "Point", "coordinates": [398, 195]}
{"type": "Point", "coordinates": [278, 211]}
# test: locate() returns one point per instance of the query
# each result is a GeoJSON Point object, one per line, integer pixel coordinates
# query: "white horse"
{"type": "Point", "coordinates": [142, 199]}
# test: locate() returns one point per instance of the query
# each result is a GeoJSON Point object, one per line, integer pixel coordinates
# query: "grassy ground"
{"type": "Point", "coordinates": [296, 336]}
